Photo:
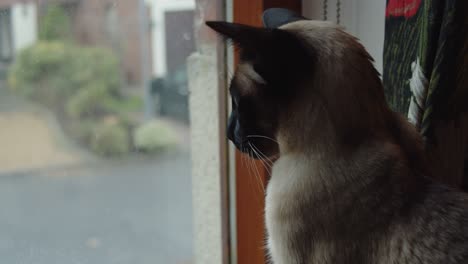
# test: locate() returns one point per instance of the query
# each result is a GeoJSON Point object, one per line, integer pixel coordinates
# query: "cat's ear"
{"type": "Point", "coordinates": [279, 53]}
{"type": "Point", "coordinates": [243, 35]}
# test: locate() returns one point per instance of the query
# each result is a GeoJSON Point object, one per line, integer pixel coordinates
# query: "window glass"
{"type": "Point", "coordinates": [94, 131]}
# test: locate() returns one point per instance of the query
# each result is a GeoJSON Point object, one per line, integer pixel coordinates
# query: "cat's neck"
{"type": "Point", "coordinates": [322, 136]}
{"type": "Point", "coordinates": [332, 163]}
{"type": "Point", "coordinates": [334, 187]}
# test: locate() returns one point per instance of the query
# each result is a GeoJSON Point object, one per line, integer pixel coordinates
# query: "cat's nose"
{"type": "Point", "coordinates": [231, 127]}
{"type": "Point", "coordinates": [231, 130]}
{"type": "Point", "coordinates": [230, 134]}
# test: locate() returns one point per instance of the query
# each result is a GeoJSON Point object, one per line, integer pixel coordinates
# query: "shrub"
{"type": "Point", "coordinates": [39, 72]}
{"type": "Point", "coordinates": [110, 139]}
{"type": "Point", "coordinates": [88, 102]}
{"type": "Point", "coordinates": [154, 136]}
{"type": "Point", "coordinates": [53, 73]}
{"type": "Point", "coordinates": [82, 131]}
{"type": "Point", "coordinates": [81, 85]}
{"type": "Point", "coordinates": [124, 105]}
{"type": "Point", "coordinates": [55, 24]}
{"type": "Point", "coordinates": [95, 65]}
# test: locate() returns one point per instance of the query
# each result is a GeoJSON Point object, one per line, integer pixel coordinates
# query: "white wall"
{"type": "Point", "coordinates": [363, 18]}
{"type": "Point", "coordinates": [24, 25]}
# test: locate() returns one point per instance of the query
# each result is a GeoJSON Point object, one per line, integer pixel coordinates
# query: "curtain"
{"type": "Point", "coordinates": [426, 77]}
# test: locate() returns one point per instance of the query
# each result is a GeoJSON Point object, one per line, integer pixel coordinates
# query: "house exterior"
{"type": "Point", "coordinates": [149, 46]}
{"type": "Point", "coordinates": [111, 23]}
{"type": "Point", "coordinates": [172, 33]}
{"type": "Point", "coordinates": [115, 24]}
{"type": "Point", "coordinates": [18, 29]}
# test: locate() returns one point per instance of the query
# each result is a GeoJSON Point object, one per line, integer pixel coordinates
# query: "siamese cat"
{"type": "Point", "coordinates": [351, 183]}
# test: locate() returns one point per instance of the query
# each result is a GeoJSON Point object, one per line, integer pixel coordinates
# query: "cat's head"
{"type": "Point", "coordinates": [294, 78]}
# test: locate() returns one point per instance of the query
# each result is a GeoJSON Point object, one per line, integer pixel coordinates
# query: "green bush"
{"type": "Point", "coordinates": [54, 72]}
{"type": "Point", "coordinates": [82, 131]}
{"type": "Point", "coordinates": [81, 85]}
{"type": "Point", "coordinates": [124, 105]}
{"type": "Point", "coordinates": [39, 73]}
{"type": "Point", "coordinates": [154, 136]}
{"type": "Point", "coordinates": [88, 102]}
{"type": "Point", "coordinates": [55, 24]}
{"type": "Point", "coordinates": [110, 139]}
{"type": "Point", "coordinates": [95, 65]}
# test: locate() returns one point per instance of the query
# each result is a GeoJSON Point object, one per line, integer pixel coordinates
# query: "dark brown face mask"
{"type": "Point", "coordinates": [279, 59]}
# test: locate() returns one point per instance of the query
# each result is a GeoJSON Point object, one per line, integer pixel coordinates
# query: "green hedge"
{"type": "Point", "coordinates": [54, 72]}
{"type": "Point", "coordinates": [81, 84]}
{"type": "Point", "coordinates": [55, 23]}
{"type": "Point", "coordinates": [110, 139]}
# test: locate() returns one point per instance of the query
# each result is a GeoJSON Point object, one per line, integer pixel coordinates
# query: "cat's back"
{"type": "Point", "coordinates": [431, 226]}
{"type": "Point", "coordinates": [431, 229]}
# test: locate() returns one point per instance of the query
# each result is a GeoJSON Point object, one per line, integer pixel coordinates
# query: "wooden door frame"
{"type": "Point", "coordinates": [250, 196]}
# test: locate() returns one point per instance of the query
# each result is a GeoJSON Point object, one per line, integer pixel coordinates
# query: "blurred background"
{"type": "Point", "coordinates": [94, 131]}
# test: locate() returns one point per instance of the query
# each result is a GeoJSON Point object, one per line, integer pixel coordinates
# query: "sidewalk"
{"type": "Point", "coordinates": [30, 137]}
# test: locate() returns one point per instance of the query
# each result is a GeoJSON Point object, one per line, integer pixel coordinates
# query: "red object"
{"type": "Point", "coordinates": [399, 8]}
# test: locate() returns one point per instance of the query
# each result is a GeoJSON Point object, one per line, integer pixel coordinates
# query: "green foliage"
{"type": "Point", "coordinates": [125, 105]}
{"type": "Point", "coordinates": [95, 65]}
{"type": "Point", "coordinates": [81, 84]}
{"type": "Point", "coordinates": [88, 101]}
{"type": "Point", "coordinates": [110, 139]}
{"type": "Point", "coordinates": [83, 131]}
{"type": "Point", "coordinates": [55, 24]}
{"type": "Point", "coordinates": [54, 72]}
{"type": "Point", "coordinates": [154, 136]}
{"type": "Point", "coordinates": [39, 72]}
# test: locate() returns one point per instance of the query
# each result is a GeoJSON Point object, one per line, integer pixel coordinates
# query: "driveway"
{"type": "Point", "coordinates": [132, 212]}
{"type": "Point", "coordinates": [31, 138]}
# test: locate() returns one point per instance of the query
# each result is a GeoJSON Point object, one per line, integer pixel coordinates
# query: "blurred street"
{"type": "Point", "coordinates": [118, 212]}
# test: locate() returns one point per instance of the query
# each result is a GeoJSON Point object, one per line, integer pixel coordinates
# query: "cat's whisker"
{"type": "Point", "coordinates": [264, 162]}
{"type": "Point", "coordinates": [256, 171]}
{"type": "Point", "coordinates": [246, 159]}
{"type": "Point", "coordinates": [247, 163]}
{"type": "Point", "coordinates": [268, 166]}
{"type": "Point", "coordinates": [261, 154]}
{"type": "Point", "coordinates": [257, 154]}
{"type": "Point", "coordinates": [261, 136]}
{"type": "Point", "coordinates": [257, 179]}
{"type": "Point", "coordinates": [242, 158]}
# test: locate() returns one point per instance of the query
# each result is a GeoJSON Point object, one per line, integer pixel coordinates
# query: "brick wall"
{"type": "Point", "coordinates": [114, 24]}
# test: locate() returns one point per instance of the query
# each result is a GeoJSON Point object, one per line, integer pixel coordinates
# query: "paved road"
{"type": "Point", "coordinates": [129, 212]}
